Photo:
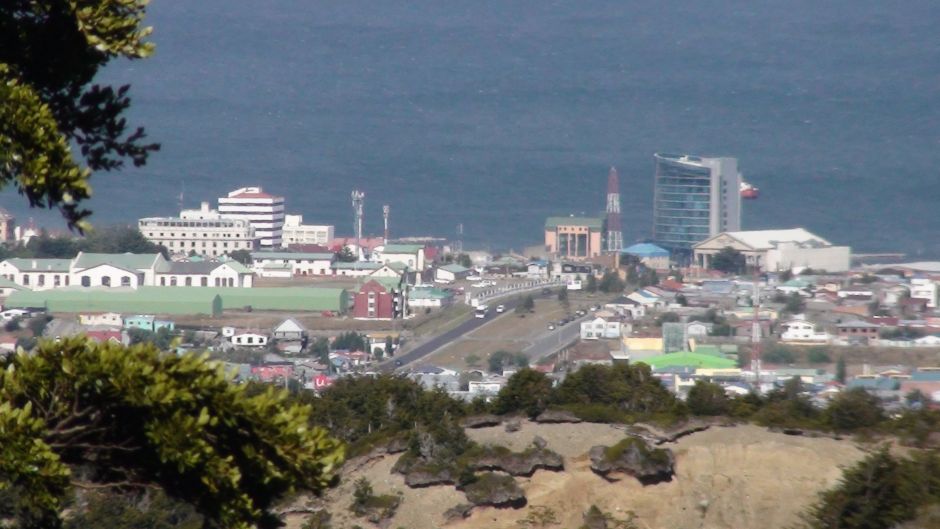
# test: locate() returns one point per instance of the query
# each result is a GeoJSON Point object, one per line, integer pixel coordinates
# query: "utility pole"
{"type": "Point", "coordinates": [385, 211]}
{"type": "Point", "coordinates": [756, 327]}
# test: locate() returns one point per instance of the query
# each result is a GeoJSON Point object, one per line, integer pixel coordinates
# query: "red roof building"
{"type": "Point", "coordinates": [375, 301]}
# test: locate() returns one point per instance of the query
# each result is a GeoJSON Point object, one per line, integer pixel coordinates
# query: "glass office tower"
{"type": "Point", "coordinates": [695, 198]}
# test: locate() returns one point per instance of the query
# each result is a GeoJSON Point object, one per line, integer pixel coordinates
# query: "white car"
{"type": "Point", "coordinates": [500, 308]}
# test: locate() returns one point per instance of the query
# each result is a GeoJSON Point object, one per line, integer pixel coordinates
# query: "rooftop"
{"type": "Point", "coordinates": [767, 239]}
{"type": "Point", "coordinates": [130, 261]}
{"type": "Point", "coordinates": [311, 256]}
{"type": "Point", "coordinates": [645, 249]}
{"type": "Point", "coordinates": [589, 222]}
{"type": "Point", "coordinates": [402, 248]}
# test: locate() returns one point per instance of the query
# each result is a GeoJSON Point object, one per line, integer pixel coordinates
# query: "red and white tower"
{"type": "Point", "coordinates": [614, 234]}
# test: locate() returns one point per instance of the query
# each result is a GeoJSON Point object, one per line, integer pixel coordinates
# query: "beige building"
{"type": "Point", "coordinates": [296, 232]}
{"type": "Point", "coordinates": [574, 237]}
{"type": "Point", "coordinates": [201, 231]}
{"type": "Point", "coordinates": [7, 226]}
{"type": "Point", "coordinates": [776, 250]}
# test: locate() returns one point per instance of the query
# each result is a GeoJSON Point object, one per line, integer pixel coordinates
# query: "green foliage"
{"type": "Point", "coordinates": [667, 317]}
{"type": "Point", "coordinates": [539, 516]}
{"type": "Point", "coordinates": [526, 391]}
{"type": "Point", "coordinates": [499, 361]}
{"type": "Point", "coordinates": [318, 520]}
{"type": "Point", "coordinates": [389, 346]}
{"type": "Point", "coordinates": [634, 444]}
{"type": "Point", "coordinates": [789, 407]}
{"type": "Point", "coordinates": [707, 398]}
{"type": "Point", "coordinates": [794, 303]}
{"type": "Point", "coordinates": [611, 282]}
{"type": "Point", "coordinates": [76, 413]}
{"type": "Point", "coordinates": [729, 261]}
{"type": "Point", "coordinates": [161, 339]}
{"type": "Point", "coordinates": [879, 491]}
{"type": "Point", "coordinates": [841, 370]}
{"type": "Point", "coordinates": [38, 324]}
{"type": "Point", "coordinates": [464, 261]}
{"type": "Point", "coordinates": [563, 295]}
{"type": "Point", "coordinates": [591, 285]}
{"type": "Point", "coordinates": [321, 349]}
{"type": "Point", "coordinates": [346, 255]}
{"type": "Point", "coordinates": [818, 355]}
{"type": "Point", "coordinates": [241, 256]}
{"type": "Point", "coordinates": [528, 303]}
{"type": "Point", "coordinates": [779, 354]}
{"type": "Point", "coordinates": [473, 360]}
{"type": "Point", "coordinates": [854, 409]}
{"type": "Point", "coordinates": [365, 502]}
{"type": "Point", "coordinates": [50, 53]}
{"type": "Point", "coordinates": [351, 341]}
{"type": "Point", "coordinates": [150, 510]}
{"type": "Point", "coordinates": [107, 239]}
{"type": "Point", "coordinates": [625, 388]}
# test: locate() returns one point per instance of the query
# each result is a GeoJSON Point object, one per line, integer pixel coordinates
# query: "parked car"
{"type": "Point", "coordinates": [551, 326]}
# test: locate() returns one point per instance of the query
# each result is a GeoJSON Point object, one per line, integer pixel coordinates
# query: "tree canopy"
{"type": "Point", "coordinates": [106, 417]}
{"type": "Point", "coordinates": [50, 52]}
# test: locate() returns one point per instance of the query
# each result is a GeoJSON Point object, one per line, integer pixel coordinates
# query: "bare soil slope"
{"type": "Point", "coordinates": [726, 478]}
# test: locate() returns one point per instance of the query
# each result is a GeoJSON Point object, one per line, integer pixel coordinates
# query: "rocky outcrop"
{"type": "Point", "coordinates": [421, 474]}
{"type": "Point", "coordinates": [633, 457]}
{"type": "Point", "coordinates": [497, 490]}
{"type": "Point", "coordinates": [481, 421]}
{"type": "Point", "coordinates": [519, 463]}
{"type": "Point", "coordinates": [556, 416]}
{"type": "Point", "coordinates": [656, 435]}
{"type": "Point", "coordinates": [458, 512]}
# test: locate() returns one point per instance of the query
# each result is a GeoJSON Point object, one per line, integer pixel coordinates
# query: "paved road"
{"type": "Point", "coordinates": [553, 341]}
{"type": "Point", "coordinates": [447, 337]}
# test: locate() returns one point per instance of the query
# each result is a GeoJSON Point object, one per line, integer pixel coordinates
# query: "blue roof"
{"type": "Point", "coordinates": [645, 249]}
{"type": "Point", "coordinates": [880, 383]}
{"type": "Point", "coordinates": [925, 376]}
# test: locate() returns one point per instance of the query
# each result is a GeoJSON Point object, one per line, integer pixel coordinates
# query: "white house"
{"type": "Point", "coordinates": [208, 273]}
{"type": "Point", "coordinates": [486, 386]}
{"type": "Point", "coordinates": [599, 328]}
{"type": "Point", "coordinates": [696, 329]}
{"type": "Point", "coordinates": [355, 269]}
{"type": "Point", "coordinates": [411, 255]}
{"type": "Point", "coordinates": [290, 329]}
{"type": "Point", "coordinates": [37, 274]}
{"type": "Point", "coordinates": [7, 287]}
{"type": "Point", "coordinates": [301, 263]}
{"type": "Point", "coordinates": [627, 307]}
{"type": "Point", "coordinates": [429, 297]}
{"type": "Point", "coordinates": [249, 339]}
{"type": "Point", "coordinates": [801, 330]}
{"type": "Point", "coordinates": [647, 299]}
{"type": "Point", "coordinates": [111, 319]}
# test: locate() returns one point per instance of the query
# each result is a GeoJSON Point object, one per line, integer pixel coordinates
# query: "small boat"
{"type": "Point", "coordinates": [748, 191]}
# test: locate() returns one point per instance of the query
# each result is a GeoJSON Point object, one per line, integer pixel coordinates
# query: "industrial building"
{"type": "Point", "coordinates": [695, 198]}
{"type": "Point", "coordinates": [295, 232]}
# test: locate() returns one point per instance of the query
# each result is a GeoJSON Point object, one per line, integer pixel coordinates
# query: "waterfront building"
{"type": "Point", "coordinates": [574, 237]}
{"type": "Point", "coordinates": [650, 255]}
{"type": "Point", "coordinates": [776, 250]}
{"type": "Point", "coordinates": [410, 255]}
{"type": "Point", "coordinates": [379, 299]}
{"type": "Point", "coordinates": [263, 211]}
{"type": "Point", "coordinates": [201, 231]}
{"type": "Point", "coordinates": [294, 263]}
{"type": "Point", "coordinates": [695, 198]}
{"type": "Point", "coordinates": [296, 232]}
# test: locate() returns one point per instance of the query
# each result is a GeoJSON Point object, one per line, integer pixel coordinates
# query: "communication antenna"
{"type": "Point", "coordinates": [459, 245]}
{"type": "Point", "coordinates": [357, 199]}
{"type": "Point", "coordinates": [385, 211]}
{"type": "Point", "coordinates": [614, 232]}
{"type": "Point", "coordinates": [756, 328]}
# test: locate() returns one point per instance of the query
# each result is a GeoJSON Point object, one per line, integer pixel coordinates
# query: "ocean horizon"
{"type": "Point", "coordinates": [496, 115]}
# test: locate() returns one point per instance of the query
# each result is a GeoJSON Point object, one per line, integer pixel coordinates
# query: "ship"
{"type": "Point", "coordinates": [748, 191]}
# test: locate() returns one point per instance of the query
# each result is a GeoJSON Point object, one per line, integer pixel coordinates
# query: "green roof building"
{"type": "Point", "coordinates": [686, 359]}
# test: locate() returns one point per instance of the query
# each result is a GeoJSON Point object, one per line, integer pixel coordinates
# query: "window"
{"type": "Point", "coordinates": [173, 281]}
{"type": "Point", "coordinates": [86, 281]}
{"type": "Point", "coordinates": [204, 282]}
{"type": "Point", "coordinates": [106, 281]}
{"type": "Point", "coordinates": [189, 281]}
{"type": "Point", "coordinates": [162, 281]}
{"type": "Point", "coordinates": [126, 281]}
{"type": "Point", "coordinates": [41, 280]}
{"type": "Point", "coordinates": [56, 280]}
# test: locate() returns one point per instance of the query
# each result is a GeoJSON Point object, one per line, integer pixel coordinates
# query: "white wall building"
{"type": "Point", "coordinates": [297, 264]}
{"type": "Point", "coordinates": [296, 232]}
{"type": "Point", "coordinates": [201, 231]}
{"type": "Point", "coordinates": [925, 289]}
{"type": "Point", "coordinates": [265, 212]}
{"type": "Point", "coordinates": [801, 330]}
{"type": "Point", "coordinates": [410, 255]}
{"type": "Point", "coordinates": [249, 339]}
{"type": "Point", "coordinates": [776, 250]}
{"type": "Point", "coordinates": [599, 328]}
{"type": "Point", "coordinates": [111, 319]}
{"type": "Point", "coordinates": [123, 271]}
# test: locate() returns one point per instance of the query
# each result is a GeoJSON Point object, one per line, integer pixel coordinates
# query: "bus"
{"type": "Point", "coordinates": [480, 312]}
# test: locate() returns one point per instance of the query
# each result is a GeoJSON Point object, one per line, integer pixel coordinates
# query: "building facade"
{"type": "Point", "coordinates": [776, 250]}
{"type": "Point", "coordinates": [296, 232]}
{"type": "Point", "coordinates": [574, 237]}
{"type": "Point", "coordinates": [201, 231]}
{"type": "Point", "coordinates": [377, 301]}
{"type": "Point", "coordinates": [263, 211]}
{"type": "Point", "coordinates": [7, 227]}
{"type": "Point", "coordinates": [695, 198]}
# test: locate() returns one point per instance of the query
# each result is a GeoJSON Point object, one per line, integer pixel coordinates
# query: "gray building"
{"type": "Point", "coordinates": [695, 198]}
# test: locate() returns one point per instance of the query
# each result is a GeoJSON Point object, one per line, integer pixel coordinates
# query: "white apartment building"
{"type": "Point", "coordinates": [296, 232]}
{"type": "Point", "coordinates": [265, 212]}
{"type": "Point", "coordinates": [922, 288]}
{"type": "Point", "coordinates": [202, 231]}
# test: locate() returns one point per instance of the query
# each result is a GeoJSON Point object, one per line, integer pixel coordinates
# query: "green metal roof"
{"type": "Point", "coordinates": [238, 267]}
{"type": "Point", "coordinates": [429, 293]}
{"type": "Point", "coordinates": [390, 283]}
{"type": "Point", "coordinates": [6, 283]}
{"type": "Point", "coordinates": [688, 360]}
{"type": "Point", "coordinates": [310, 256]}
{"type": "Point", "coordinates": [402, 248]}
{"type": "Point", "coordinates": [590, 222]}
{"type": "Point", "coordinates": [455, 268]}
{"type": "Point", "coordinates": [40, 265]}
{"type": "Point", "coordinates": [131, 261]}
